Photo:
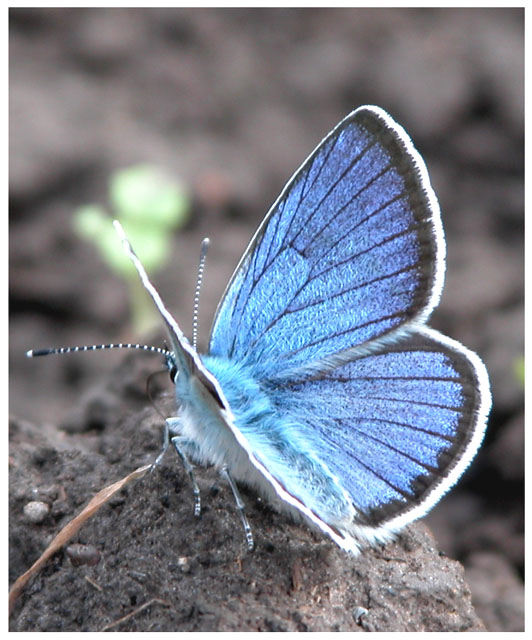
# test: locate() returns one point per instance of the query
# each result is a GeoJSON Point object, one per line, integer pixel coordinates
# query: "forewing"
{"type": "Point", "coordinates": [395, 429]}
{"type": "Point", "coordinates": [351, 251]}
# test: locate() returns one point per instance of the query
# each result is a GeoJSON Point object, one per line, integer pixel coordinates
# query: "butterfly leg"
{"type": "Point", "coordinates": [166, 443]}
{"type": "Point", "coordinates": [241, 507]}
{"type": "Point", "coordinates": [181, 443]}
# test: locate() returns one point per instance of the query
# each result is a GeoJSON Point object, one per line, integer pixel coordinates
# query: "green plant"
{"type": "Point", "coordinates": [149, 206]}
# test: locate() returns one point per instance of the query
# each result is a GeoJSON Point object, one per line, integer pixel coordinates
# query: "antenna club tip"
{"type": "Point", "coordinates": [206, 242]}
{"type": "Point", "coordinates": [29, 354]}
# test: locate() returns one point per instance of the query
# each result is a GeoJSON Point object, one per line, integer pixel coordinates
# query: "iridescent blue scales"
{"type": "Point", "coordinates": [352, 250]}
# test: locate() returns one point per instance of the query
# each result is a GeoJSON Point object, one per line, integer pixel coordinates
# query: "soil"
{"type": "Point", "coordinates": [230, 101]}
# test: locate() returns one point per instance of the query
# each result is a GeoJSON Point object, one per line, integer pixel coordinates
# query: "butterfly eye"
{"type": "Point", "coordinates": [173, 373]}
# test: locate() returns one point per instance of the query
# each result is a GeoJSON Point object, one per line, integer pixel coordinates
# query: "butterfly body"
{"type": "Point", "coordinates": [202, 421]}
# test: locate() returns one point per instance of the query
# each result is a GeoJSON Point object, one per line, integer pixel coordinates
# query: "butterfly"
{"type": "Point", "coordinates": [323, 387]}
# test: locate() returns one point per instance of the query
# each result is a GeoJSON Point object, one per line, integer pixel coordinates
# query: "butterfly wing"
{"type": "Point", "coordinates": [351, 252]}
{"type": "Point", "coordinates": [375, 415]}
{"type": "Point", "coordinates": [393, 429]}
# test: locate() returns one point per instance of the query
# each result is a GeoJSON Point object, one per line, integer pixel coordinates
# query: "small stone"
{"type": "Point", "coordinates": [358, 613]}
{"type": "Point", "coordinates": [80, 554]}
{"type": "Point", "coordinates": [36, 511]}
{"type": "Point", "coordinates": [184, 564]}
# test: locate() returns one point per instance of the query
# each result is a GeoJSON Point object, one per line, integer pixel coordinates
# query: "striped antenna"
{"type": "Point", "coordinates": [203, 257]}
{"type": "Point", "coordinates": [32, 353]}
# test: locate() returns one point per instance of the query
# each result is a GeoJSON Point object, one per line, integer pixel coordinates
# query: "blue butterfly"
{"type": "Point", "coordinates": [323, 387]}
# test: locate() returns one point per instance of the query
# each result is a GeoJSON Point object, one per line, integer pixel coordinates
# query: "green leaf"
{"type": "Point", "coordinates": [89, 221]}
{"type": "Point", "coordinates": [144, 195]}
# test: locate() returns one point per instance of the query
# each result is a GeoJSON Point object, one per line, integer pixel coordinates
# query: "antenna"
{"type": "Point", "coordinates": [33, 353]}
{"type": "Point", "coordinates": [203, 257]}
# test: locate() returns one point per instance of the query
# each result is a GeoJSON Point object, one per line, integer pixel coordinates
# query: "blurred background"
{"type": "Point", "coordinates": [227, 103]}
